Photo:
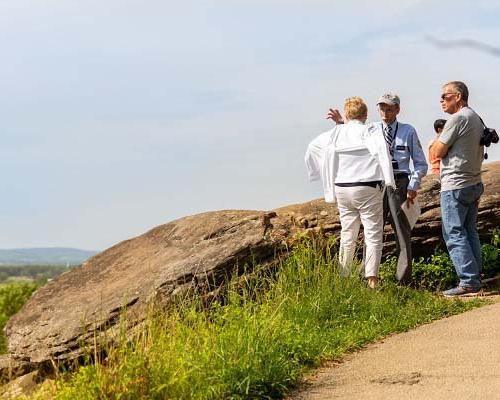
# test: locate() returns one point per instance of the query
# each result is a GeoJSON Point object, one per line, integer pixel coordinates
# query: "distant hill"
{"type": "Point", "coordinates": [44, 256]}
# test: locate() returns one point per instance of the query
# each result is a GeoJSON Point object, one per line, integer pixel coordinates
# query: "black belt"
{"type": "Point", "coordinates": [369, 183]}
{"type": "Point", "coordinates": [401, 175]}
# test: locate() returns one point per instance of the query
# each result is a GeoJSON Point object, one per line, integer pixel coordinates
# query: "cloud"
{"type": "Point", "coordinates": [467, 43]}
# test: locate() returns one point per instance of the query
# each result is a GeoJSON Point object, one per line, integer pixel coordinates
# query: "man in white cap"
{"type": "Point", "coordinates": [404, 146]}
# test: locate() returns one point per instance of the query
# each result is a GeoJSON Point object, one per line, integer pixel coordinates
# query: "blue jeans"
{"type": "Point", "coordinates": [459, 218]}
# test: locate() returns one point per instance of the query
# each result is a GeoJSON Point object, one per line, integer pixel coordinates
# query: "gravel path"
{"type": "Point", "coordinates": [453, 358]}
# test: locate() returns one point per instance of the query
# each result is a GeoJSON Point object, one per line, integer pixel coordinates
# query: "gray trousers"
{"type": "Point", "coordinates": [393, 199]}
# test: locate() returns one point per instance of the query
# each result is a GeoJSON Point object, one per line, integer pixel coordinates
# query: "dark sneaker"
{"type": "Point", "coordinates": [461, 291]}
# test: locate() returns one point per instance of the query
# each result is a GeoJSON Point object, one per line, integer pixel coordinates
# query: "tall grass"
{"type": "Point", "coordinates": [260, 342]}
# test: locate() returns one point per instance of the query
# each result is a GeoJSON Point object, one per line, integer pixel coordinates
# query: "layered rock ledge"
{"type": "Point", "coordinates": [82, 307]}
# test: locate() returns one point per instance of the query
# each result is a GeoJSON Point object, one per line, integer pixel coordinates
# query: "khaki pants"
{"type": "Point", "coordinates": [360, 205]}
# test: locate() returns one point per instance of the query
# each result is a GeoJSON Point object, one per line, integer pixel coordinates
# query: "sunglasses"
{"type": "Point", "coordinates": [444, 95]}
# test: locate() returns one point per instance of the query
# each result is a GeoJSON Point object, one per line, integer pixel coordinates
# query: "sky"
{"type": "Point", "coordinates": [118, 116]}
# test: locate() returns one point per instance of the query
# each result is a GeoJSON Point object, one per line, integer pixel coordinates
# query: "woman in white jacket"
{"type": "Point", "coordinates": [354, 164]}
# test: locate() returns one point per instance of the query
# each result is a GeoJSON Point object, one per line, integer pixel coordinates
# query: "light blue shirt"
{"type": "Point", "coordinates": [406, 147]}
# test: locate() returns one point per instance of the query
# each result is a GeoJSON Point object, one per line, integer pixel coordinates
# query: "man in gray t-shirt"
{"type": "Point", "coordinates": [461, 167]}
{"type": "Point", "coordinates": [461, 187]}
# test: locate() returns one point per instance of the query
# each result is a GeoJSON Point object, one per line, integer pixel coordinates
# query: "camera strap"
{"type": "Point", "coordinates": [482, 135]}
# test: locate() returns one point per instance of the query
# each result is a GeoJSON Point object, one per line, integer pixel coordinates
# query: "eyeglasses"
{"type": "Point", "coordinates": [444, 95]}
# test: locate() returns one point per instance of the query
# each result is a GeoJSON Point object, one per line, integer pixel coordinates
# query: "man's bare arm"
{"type": "Point", "coordinates": [440, 149]}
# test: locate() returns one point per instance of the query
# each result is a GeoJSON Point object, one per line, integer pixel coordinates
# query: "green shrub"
{"type": "Point", "coordinates": [12, 298]}
{"type": "Point", "coordinates": [490, 254]}
{"type": "Point", "coordinates": [437, 271]}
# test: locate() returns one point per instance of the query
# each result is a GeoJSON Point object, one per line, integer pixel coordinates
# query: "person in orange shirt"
{"type": "Point", "coordinates": [434, 161]}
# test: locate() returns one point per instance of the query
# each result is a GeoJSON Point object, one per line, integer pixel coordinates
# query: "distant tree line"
{"type": "Point", "coordinates": [37, 273]}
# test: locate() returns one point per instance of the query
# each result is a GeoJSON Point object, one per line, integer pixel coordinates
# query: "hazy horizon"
{"type": "Point", "coordinates": [47, 247]}
{"type": "Point", "coordinates": [119, 116]}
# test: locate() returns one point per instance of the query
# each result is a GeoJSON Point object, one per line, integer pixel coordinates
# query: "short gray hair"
{"type": "Point", "coordinates": [461, 88]}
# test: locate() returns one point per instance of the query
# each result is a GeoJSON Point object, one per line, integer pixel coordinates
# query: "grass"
{"type": "Point", "coordinates": [257, 345]}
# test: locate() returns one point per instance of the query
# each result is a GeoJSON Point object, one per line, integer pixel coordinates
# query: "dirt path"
{"type": "Point", "coordinates": [454, 358]}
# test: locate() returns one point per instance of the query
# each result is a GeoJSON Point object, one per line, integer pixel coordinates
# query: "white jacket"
{"type": "Point", "coordinates": [322, 155]}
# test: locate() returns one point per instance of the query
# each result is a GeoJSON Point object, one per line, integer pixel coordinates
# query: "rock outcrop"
{"type": "Point", "coordinates": [83, 306]}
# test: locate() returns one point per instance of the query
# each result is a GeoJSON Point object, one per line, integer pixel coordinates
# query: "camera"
{"type": "Point", "coordinates": [488, 137]}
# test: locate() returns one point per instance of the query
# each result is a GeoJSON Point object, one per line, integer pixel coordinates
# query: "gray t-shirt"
{"type": "Point", "coordinates": [461, 167]}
